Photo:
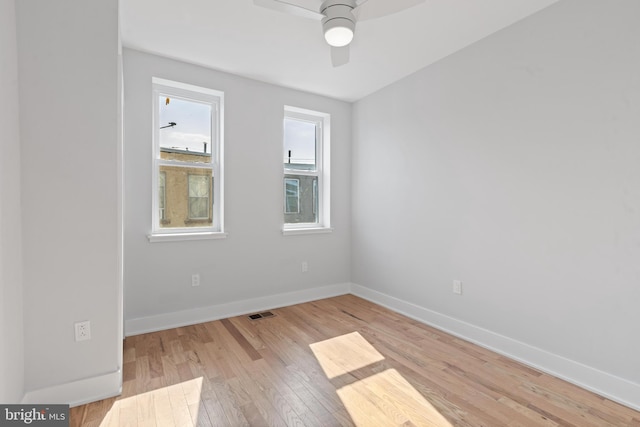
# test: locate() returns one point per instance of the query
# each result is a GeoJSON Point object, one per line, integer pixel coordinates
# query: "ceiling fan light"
{"type": "Point", "coordinates": [338, 32]}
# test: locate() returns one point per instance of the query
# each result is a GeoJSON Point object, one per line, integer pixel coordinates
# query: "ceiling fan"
{"type": "Point", "coordinates": [339, 18]}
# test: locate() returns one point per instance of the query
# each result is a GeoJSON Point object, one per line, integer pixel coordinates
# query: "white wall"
{"type": "Point", "coordinates": [68, 53]}
{"type": "Point", "coordinates": [255, 261]}
{"type": "Point", "coordinates": [11, 347]}
{"type": "Point", "coordinates": [513, 166]}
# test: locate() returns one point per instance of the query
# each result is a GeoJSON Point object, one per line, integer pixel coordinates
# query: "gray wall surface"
{"type": "Point", "coordinates": [512, 166]}
{"type": "Point", "coordinates": [68, 68]}
{"type": "Point", "coordinates": [11, 332]}
{"type": "Point", "coordinates": [255, 260]}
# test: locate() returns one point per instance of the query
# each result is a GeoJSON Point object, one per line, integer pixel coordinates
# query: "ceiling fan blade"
{"type": "Point", "coordinates": [372, 9]}
{"type": "Point", "coordinates": [339, 55]}
{"type": "Point", "coordinates": [290, 8]}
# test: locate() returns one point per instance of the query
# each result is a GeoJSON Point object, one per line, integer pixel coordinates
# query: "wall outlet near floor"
{"type": "Point", "coordinates": [305, 266]}
{"type": "Point", "coordinates": [457, 287]}
{"type": "Point", "coordinates": [83, 330]}
{"type": "Point", "coordinates": [195, 280]}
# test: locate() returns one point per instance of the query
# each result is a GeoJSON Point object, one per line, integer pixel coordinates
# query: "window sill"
{"type": "Point", "coordinates": [300, 231]}
{"type": "Point", "coordinates": [176, 237]}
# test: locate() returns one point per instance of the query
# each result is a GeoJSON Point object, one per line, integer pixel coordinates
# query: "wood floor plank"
{"type": "Point", "coordinates": [214, 411]}
{"type": "Point", "coordinates": [128, 412]}
{"type": "Point", "coordinates": [111, 417]}
{"type": "Point", "coordinates": [228, 346]}
{"type": "Point", "coordinates": [339, 361]}
{"type": "Point", "coordinates": [199, 415]}
{"type": "Point", "coordinates": [253, 416]}
{"type": "Point", "coordinates": [129, 388]}
{"type": "Point", "coordinates": [145, 409]}
{"type": "Point", "coordinates": [162, 406]}
{"type": "Point", "coordinates": [241, 340]}
{"type": "Point", "coordinates": [247, 329]}
{"type": "Point", "coordinates": [289, 401]}
{"type": "Point", "coordinates": [268, 412]}
{"type": "Point", "coordinates": [171, 374]}
{"type": "Point", "coordinates": [231, 407]}
{"type": "Point", "coordinates": [304, 403]}
{"type": "Point", "coordinates": [179, 406]}
{"type": "Point", "coordinates": [76, 415]}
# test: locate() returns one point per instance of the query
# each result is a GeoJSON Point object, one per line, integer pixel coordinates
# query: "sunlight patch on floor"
{"type": "Point", "coordinates": [387, 399]}
{"type": "Point", "coordinates": [344, 354]}
{"type": "Point", "coordinates": [383, 399]}
{"type": "Point", "coordinates": [175, 405]}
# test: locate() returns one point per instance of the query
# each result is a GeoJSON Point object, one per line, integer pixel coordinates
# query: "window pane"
{"type": "Point", "coordinates": [299, 144]}
{"type": "Point", "coordinates": [198, 207]}
{"type": "Point", "coordinates": [198, 186]}
{"type": "Point", "coordinates": [291, 196]}
{"type": "Point", "coordinates": [185, 130]}
{"type": "Point", "coordinates": [199, 196]}
{"type": "Point", "coordinates": [187, 198]}
{"type": "Point", "coordinates": [300, 199]}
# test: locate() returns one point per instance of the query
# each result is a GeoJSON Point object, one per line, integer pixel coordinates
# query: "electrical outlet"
{"type": "Point", "coordinates": [195, 280]}
{"type": "Point", "coordinates": [83, 330]}
{"type": "Point", "coordinates": [457, 287]}
{"type": "Point", "coordinates": [305, 266]}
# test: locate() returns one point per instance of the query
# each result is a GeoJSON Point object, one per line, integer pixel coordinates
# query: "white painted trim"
{"type": "Point", "coordinates": [176, 319]}
{"type": "Point", "coordinates": [78, 392]}
{"type": "Point", "coordinates": [120, 207]}
{"type": "Point", "coordinates": [310, 230]}
{"type": "Point", "coordinates": [177, 237]}
{"type": "Point", "coordinates": [610, 386]}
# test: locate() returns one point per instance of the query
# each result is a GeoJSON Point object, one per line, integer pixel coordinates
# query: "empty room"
{"type": "Point", "coordinates": [320, 213]}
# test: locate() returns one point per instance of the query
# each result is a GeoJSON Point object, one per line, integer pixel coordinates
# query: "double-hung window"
{"type": "Point", "coordinates": [306, 171]}
{"type": "Point", "coordinates": [187, 159]}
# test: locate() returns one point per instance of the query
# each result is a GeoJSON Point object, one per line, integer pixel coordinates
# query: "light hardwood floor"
{"type": "Point", "coordinates": [336, 362]}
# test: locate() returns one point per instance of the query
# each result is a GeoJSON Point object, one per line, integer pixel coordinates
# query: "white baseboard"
{"type": "Point", "coordinates": [176, 319]}
{"type": "Point", "coordinates": [607, 385]}
{"type": "Point", "coordinates": [78, 392]}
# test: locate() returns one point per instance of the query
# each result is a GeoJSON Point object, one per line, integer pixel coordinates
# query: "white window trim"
{"type": "Point", "coordinates": [216, 99]}
{"type": "Point", "coordinates": [301, 231]}
{"type": "Point", "coordinates": [323, 163]}
{"type": "Point", "coordinates": [177, 237]}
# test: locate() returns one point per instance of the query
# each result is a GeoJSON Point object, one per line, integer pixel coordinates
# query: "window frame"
{"type": "Point", "coordinates": [322, 203]}
{"type": "Point", "coordinates": [215, 98]}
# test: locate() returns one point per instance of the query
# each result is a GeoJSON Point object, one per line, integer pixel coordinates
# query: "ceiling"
{"type": "Point", "coordinates": [239, 37]}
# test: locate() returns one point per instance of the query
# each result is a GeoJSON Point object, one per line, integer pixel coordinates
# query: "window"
{"type": "Point", "coordinates": [187, 155]}
{"type": "Point", "coordinates": [292, 196]}
{"type": "Point", "coordinates": [306, 170]}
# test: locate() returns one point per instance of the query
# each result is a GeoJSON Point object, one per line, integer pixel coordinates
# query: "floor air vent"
{"type": "Point", "coordinates": [260, 315]}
